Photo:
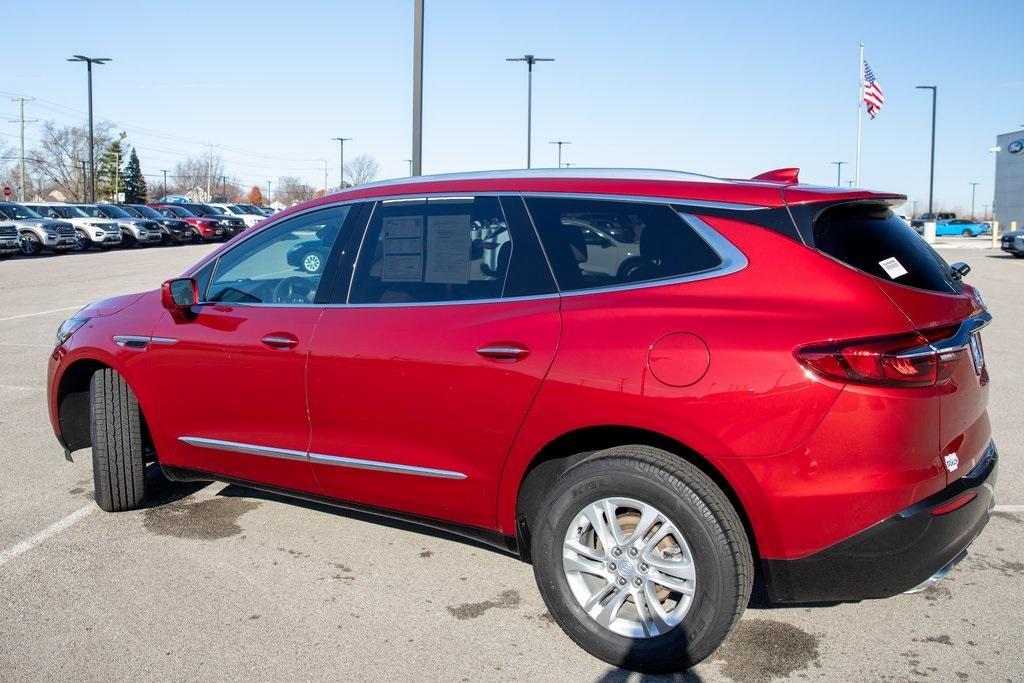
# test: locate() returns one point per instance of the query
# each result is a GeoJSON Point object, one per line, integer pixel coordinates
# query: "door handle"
{"type": "Point", "coordinates": [505, 351]}
{"type": "Point", "coordinates": [280, 341]}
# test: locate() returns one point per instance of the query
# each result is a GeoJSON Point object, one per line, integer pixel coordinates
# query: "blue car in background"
{"type": "Point", "coordinates": [959, 226]}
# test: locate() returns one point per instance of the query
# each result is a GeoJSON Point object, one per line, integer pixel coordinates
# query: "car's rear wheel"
{"type": "Point", "coordinates": [967, 233]}
{"type": "Point", "coordinates": [641, 559]}
{"type": "Point", "coordinates": [118, 464]}
{"type": "Point", "coordinates": [128, 239]}
{"type": "Point", "coordinates": [30, 244]}
{"type": "Point", "coordinates": [312, 262]}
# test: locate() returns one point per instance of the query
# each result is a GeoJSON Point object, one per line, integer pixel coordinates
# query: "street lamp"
{"type": "Point", "coordinates": [89, 61]}
{"type": "Point", "coordinates": [974, 186]}
{"type": "Point", "coordinates": [839, 172]}
{"type": "Point", "coordinates": [530, 61]}
{"type": "Point", "coordinates": [559, 143]}
{"type": "Point", "coordinates": [341, 161]}
{"type": "Point", "coordinates": [931, 175]}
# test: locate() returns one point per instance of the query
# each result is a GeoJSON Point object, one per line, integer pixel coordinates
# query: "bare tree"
{"type": "Point", "coordinates": [291, 190]}
{"type": "Point", "coordinates": [362, 169]}
{"type": "Point", "coordinates": [191, 174]}
{"type": "Point", "coordinates": [57, 163]}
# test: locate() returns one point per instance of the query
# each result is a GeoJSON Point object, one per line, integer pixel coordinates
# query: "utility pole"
{"type": "Point", "coordinates": [559, 143]}
{"type": "Point", "coordinates": [931, 177]}
{"type": "Point", "coordinates": [117, 173]}
{"type": "Point", "coordinates": [325, 176]}
{"type": "Point", "coordinates": [224, 187]}
{"type": "Point", "coordinates": [21, 119]}
{"type": "Point", "coordinates": [530, 61]}
{"type": "Point", "coordinates": [164, 171]}
{"type": "Point", "coordinates": [85, 194]}
{"type": "Point", "coordinates": [341, 161]}
{"type": "Point", "coordinates": [209, 173]}
{"type": "Point", "coordinates": [417, 89]}
{"type": "Point", "coordinates": [268, 192]}
{"type": "Point", "coordinates": [839, 172]}
{"type": "Point", "coordinates": [974, 186]}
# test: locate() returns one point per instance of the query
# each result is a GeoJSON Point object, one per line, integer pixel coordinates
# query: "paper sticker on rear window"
{"type": "Point", "coordinates": [892, 267]}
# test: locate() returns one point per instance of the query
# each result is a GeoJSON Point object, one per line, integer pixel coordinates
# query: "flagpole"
{"type": "Point", "coordinates": [860, 106]}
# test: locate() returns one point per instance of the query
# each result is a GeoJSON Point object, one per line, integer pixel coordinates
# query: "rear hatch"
{"type": "Point", "coordinates": [868, 236]}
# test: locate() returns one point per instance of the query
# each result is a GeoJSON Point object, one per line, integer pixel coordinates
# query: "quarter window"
{"type": "Point", "coordinates": [599, 243]}
{"type": "Point", "coordinates": [435, 249]}
{"type": "Point", "coordinates": [283, 264]}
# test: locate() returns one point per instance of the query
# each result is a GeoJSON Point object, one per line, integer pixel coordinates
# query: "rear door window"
{"type": "Point", "coordinates": [872, 239]}
{"type": "Point", "coordinates": [599, 243]}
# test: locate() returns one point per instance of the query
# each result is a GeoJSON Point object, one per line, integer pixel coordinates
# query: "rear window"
{"type": "Point", "coordinates": [872, 239]}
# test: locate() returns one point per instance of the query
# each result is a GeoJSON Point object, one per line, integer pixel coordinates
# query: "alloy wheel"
{"type": "Point", "coordinates": [311, 263]}
{"type": "Point", "coordinates": [629, 567]}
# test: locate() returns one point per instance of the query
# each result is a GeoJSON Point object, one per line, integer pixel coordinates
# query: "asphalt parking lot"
{"type": "Point", "coordinates": [219, 582]}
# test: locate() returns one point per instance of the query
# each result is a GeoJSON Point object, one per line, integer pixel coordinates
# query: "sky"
{"type": "Point", "coordinates": [729, 89]}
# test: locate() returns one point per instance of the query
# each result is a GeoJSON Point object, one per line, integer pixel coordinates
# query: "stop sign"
{"type": "Point", "coordinates": [7, 190]}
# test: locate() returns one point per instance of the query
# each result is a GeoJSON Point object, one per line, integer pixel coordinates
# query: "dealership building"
{"type": "Point", "coordinates": [1009, 197]}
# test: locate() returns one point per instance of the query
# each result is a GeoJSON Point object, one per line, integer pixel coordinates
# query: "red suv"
{"type": "Point", "coordinates": [651, 385]}
{"type": "Point", "coordinates": [205, 229]}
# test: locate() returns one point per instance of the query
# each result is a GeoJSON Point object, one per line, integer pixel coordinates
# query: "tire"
{"type": "Point", "coordinates": [128, 239]}
{"type": "Point", "coordinates": [967, 233]}
{"type": "Point", "coordinates": [30, 244]}
{"type": "Point", "coordinates": [712, 534]}
{"type": "Point", "coordinates": [118, 467]}
{"type": "Point", "coordinates": [312, 262]}
{"type": "Point", "coordinates": [82, 241]}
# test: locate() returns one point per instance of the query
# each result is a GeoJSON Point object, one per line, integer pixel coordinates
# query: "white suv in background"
{"type": "Point", "coordinates": [237, 212]}
{"type": "Point", "coordinates": [89, 231]}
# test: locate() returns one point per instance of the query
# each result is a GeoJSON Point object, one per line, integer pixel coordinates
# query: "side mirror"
{"type": "Point", "coordinates": [179, 295]}
{"type": "Point", "coordinates": [960, 270]}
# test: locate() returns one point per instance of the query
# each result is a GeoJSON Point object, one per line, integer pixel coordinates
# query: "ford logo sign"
{"type": "Point", "coordinates": [1015, 147]}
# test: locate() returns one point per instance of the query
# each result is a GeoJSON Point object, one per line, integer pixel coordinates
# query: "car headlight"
{"type": "Point", "coordinates": [68, 328]}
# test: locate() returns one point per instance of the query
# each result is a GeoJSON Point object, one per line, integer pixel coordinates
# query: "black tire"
{"type": "Point", "coordinates": [118, 465]}
{"type": "Point", "coordinates": [82, 241]}
{"type": "Point", "coordinates": [30, 244]}
{"type": "Point", "coordinates": [967, 233]}
{"type": "Point", "coordinates": [128, 239]}
{"type": "Point", "coordinates": [696, 506]}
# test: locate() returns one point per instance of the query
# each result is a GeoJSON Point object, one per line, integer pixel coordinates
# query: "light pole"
{"type": "Point", "coordinates": [341, 161]}
{"type": "Point", "coordinates": [560, 143]}
{"type": "Point", "coordinates": [165, 182]}
{"type": "Point", "coordinates": [974, 187]}
{"type": "Point", "coordinates": [410, 165]}
{"type": "Point", "coordinates": [839, 172]}
{"type": "Point", "coordinates": [530, 61]}
{"type": "Point", "coordinates": [931, 175]}
{"type": "Point", "coordinates": [417, 89]}
{"type": "Point", "coordinates": [268, 193]}
{"type": "Point", "coordinates": [89, 61]}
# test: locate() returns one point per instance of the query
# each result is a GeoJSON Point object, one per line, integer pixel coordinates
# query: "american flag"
{"type": "Point", "coordinates": [873, 95]}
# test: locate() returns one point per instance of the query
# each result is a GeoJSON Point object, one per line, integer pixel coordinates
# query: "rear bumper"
{"type": "Point", "coordinates": [895, 555]}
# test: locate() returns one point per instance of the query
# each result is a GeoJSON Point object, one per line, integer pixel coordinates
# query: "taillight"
{"type": "Point", "coordinates": [903, 360]}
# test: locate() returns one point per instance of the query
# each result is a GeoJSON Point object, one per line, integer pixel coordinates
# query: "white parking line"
{"type": "Point", "coordinates": [14, 387]}
{"type": "Point", "coordinates": [52, 530]}
{"type": "Point", "coordinates": [1009, 508]}
{"type": "Point", "coordinates": [30, 315]}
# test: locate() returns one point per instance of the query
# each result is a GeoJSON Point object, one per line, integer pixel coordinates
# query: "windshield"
{"type": "Point", "coordinates": [203, 210]}
{"type": "Point", "coordinates": [111, 211]}
{"type": "Point", "coordinates": [61, 211]}
{"type": "Point", "coordinates": [179, 211]}
{"type": "Point", "coordinates": [17, 211]}
{"type": "Point", "coordinates": [146, 211]}
{"type": "Point", "coordinates": [249, 208]}
{"type": "Point", "coordinates": [132, 211]}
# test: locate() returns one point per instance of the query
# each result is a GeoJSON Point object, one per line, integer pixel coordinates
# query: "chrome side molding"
{"type": "Point", "coordinates": [134, 341]}
{"type": "Point", "coordinates": [319, 458]}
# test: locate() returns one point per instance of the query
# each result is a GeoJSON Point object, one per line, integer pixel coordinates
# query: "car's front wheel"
{"type": "Point", "coordinates": [312, 262]}
{"type": "Point", "coordinates": [82, 241]}
{"type": "Point", "coordinates": [30, 244]}
{"type": "Point", "coordinates": [641, 559]}
{"type": "Point", "coordinates": [967, 233]}
{"type": "Point", "coordinates": [118, 463]}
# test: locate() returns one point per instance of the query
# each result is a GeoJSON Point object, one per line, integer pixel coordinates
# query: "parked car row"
{"type": "Point", "coordinates": [34, 227]}
{"type": "Point", "coordinates": [946, 227]}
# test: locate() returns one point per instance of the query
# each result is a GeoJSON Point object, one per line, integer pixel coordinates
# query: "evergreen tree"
{"type": "Point", "coordinates": [108, 169]}
{"type": "Point", "coordinates": [134, 181]}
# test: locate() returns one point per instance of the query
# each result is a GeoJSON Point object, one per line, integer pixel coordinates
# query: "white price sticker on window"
{"type": "Point", "coordinates": [892, 267]}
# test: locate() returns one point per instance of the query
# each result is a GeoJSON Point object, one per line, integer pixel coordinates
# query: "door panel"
{"type": "Point", "coordinates": [222, 382]}
{"type": "Point", "coordinates": [406, 385]}
{"type": "Point", "coordinates": [432, 360]}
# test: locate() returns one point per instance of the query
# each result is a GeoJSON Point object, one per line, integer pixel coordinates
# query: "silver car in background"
{"type": "Point", "coordinates": [89, 231]}
{"type": "Point", "coordinates": [141, 231]}
{"type": "Point", "coordinates": [38, 233]}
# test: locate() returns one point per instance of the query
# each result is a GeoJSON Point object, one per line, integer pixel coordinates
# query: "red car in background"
{"type": "Point", "coordinates": [652, 385]}
{"type": "Point", "coordinates": [205, 229]}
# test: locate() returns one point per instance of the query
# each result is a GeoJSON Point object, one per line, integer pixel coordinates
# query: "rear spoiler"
{"type": "Point", "coordinates": [790, 176]}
